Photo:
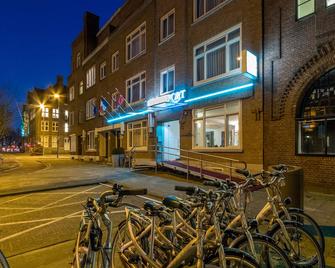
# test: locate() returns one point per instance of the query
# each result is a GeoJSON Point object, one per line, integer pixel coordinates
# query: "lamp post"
{"type": "Point", "coordinates": [57, 97]}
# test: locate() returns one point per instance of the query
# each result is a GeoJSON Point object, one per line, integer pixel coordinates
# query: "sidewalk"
{"type": "Point", "coordinates": [7, 164]}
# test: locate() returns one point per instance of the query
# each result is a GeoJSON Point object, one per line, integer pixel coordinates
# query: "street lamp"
{"type": "Point", "coordinates": [57, 97]}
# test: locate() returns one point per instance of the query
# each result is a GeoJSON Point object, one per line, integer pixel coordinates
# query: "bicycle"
{"type": "Point", "coordinates": [89, 251]}
{"type": "Point", "coordinates": [3, 261]}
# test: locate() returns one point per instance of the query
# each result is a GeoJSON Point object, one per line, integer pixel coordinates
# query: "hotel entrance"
{"type": "Point", "coordinates": [168, 136]}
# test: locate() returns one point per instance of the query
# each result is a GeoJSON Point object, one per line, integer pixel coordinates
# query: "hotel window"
{"type": "Point", "coordinates": [202, 7]}
{"type": "Point", "coordinates": [45, 112]}
{"type": "Point", "coordinates": [137, 135]}
{"type": "Point", "coordinates": [136, 88]}
{"type": "Point", "coordinates": [78, 60]}
{"type": "Point", "coordinates": [54, 126]}
{"type": "Point", "coordinates": [71, 93]}
{"type": "Point", "coordinates": [90, 140]}
{"type": "Point", "coordinates": [81, 87]}
{"type": "Point", "coordinates": [167, 25]}
{"type": "Point", "coordinates": [136, 43]}
{"type": "Point", "coordinates": [66, 127]}
{"type": "Point", "coordinates": [54, 141]}
{"type": "Point", "coordinates": [218, 56]}
{"type": "Point", "coordinates": [316, 121]}
{"type": "Point", "coordinates": [103, 70]}
{"type": "Point", "coordinates": [90, 109]}
{"type": "Point", "coordinates": [71, 119]}
{"type": "Point", "coordinates": [55, 113]}
{"type": "Point", "coordinates": [305, 8]}
{"type": "Point", "coordinates": [168, 80]}
{"type": "Point", "coordinates": [45, 141]}
{"type": "Point", "coordinates": [115, 61]}
{"type": "Point", "coordinates": [90, 77]}
{"type": "Point", "coordinates": [66, 115]}
{"type": "Point", "coordinates": [217, 128]}
{"type": "Point", "coordinates": [330, 2]}
{"type": "Point", "coordinates": [44, 125]}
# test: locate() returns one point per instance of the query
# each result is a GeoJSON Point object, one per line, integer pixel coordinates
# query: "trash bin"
{"type": "Point", "coordinates": [294, 186]}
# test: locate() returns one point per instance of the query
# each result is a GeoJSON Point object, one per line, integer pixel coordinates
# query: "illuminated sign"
{"type": "Point", "coordinates": [221, 92]}
{"type": "Point", "coordinates": [249, 64]}
{"type": "Point", "coordinates": [172, 98]}
{"type": "Point", "coordinates": [127, 116]}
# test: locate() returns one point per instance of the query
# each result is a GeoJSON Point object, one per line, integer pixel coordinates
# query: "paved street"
{"type": "Point", "coordinates": [38, 228]}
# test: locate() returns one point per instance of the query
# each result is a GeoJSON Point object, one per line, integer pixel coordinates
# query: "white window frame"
{"type": "Point", "coordinates": [44, 141]}
{"type": "Point", "coordinates": [81, 87]}
{"type": "Point", "coordinates": [103, 70]}
{"type": "Point", "coordinates": [66, 127]}
{"type": "Point", "coordinates": [90, 106]}
{"type": "Point", "coordinates": [206, 13]}
{"type": "Point", "coordinates": [54, 141]}
{"type": "Point", "coordinates": [141, 80]}
{"type": "Point", "coordinates": [71, 118]}
{"type": "Point", "coordinates": [45, 112]}
{"type": "Point", "coordinates": [44, 125]}
{"type": "Point", "coordinates": [90, 140]}
{"type": "Point", "coordinates": [225, 114]}
{"type": "Point", "coordinates": [166, 71]}
{"type": "Point", "coordinates": [162, 19]}
{"type": "Point", "coordinates": [71, 93]}
{"type": "Point", "coordinates": [91, 77]}
{"type": "Point", "coordinates": [54, 126]}
{"type": "Point", "coordinates": [204, 55]}
{"type": "Point", "coordinates": [55, 113]}
{"type": "Point", "coordinates": [131, 37]}
{"type": "Point", "coordinates": [115, 61]}
{"type": "Point", "coordinates": [143, 129]}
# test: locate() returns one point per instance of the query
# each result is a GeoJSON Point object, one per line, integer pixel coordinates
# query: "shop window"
{"type": "Point", "coordinates": [316, 121]}
{"type": "Point", "coordinates": [217, 127]}
{"type": "Point", "coordinates": [137, 135]}
{"type": "Point", "coordinates": [305, 8]}
{"type": "Point", "coordinates": [90, 140]}
{"type": "Point", "coordinates": [136, 43]}
{"type": "Point", "coordinates": [217, 57]}
{"type": "Point", "coordinates": [136, 88]}
{"type": "Point", "coordinates": [167, 26]}
{"type": "Point", "coordinates": [167, 80]}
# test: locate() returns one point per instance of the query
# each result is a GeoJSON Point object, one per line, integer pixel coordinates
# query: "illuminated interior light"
{"type": "Point", "coordinates": [129, 115]}
{"type": "Point", "coordinates": [222, 92]}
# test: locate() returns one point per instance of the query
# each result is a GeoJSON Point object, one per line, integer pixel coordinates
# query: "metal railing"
{"type": "Point", "coordinates": [192, 158]}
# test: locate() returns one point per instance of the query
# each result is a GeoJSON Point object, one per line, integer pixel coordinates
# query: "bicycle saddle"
{"type": "Point", "coordinates": [152, 207]}
{"type": "Point", "coordinates": [172, 202]}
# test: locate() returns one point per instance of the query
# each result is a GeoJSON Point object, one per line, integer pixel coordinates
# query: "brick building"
{"type": "Point", "coordinates": [299, 86]}
{"type": "Point", "coordinates": [45, 119]}
{"type": "Point", "coordinates": [173, 73]}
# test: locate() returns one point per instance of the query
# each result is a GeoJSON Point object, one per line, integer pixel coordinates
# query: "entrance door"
{"type": "Point", "coordinates": [102, 145]}
{"type": "Point", "coordinates": [171, 140]}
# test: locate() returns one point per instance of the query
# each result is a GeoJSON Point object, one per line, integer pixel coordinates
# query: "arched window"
{"type": "Point", "coordinates": [316, 121]}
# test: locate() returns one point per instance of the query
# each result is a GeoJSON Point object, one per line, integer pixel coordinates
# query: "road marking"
{"type": "Point", "coordinates": [14, 199]}
{"type": "Point", "coordinates": [32, 208]}
{"type": "Point", "coordinates": [48, 205]}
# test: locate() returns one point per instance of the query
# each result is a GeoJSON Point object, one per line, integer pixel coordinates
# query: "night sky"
{"type": "Point", "coordinates": [36, 37]}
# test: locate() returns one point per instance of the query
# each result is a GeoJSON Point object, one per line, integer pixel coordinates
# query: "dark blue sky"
{"type": "Point", "coordinates": [36, 37]}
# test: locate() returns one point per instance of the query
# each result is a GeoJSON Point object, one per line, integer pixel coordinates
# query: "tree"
{"type": "Point", "coordinates": [6, 114]}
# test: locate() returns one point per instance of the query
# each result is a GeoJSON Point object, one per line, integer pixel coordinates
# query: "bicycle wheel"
{"type": "Point", "coordinates": [121, 259]}
{"type": "Point", "coordinates": [3, 261]}
{"type": "Point", "coordinates": [302, 248]}
{"type": "Point", "coordinates": [234, 258]}
{"type": "Point", "coordinates": [308, 223]}
{"type": "Point", "coordinates": [268, 254]}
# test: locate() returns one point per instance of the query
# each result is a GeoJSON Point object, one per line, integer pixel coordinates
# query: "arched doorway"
{"type": "Point", "coordinates": [316, 118]}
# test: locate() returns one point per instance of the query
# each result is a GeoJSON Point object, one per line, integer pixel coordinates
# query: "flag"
{"type": "Point", "coordinates": [120, 100]}
{"type": "Point", "coordinates": [103, 106]}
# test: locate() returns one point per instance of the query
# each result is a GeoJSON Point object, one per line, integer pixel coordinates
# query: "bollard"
{"type": "Point", "coordinates": [294, 186]}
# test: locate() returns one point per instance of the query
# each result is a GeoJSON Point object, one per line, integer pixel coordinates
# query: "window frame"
{"type": "Point", "coordinates": [54, 126]}
{"type": "Point", "coordinates": [45, 112]}
{"type": "Point", "coordinates": [132, 36]}
{"type": "Point", "coordinates": [71, 118]}
{"type": "Point", "coordinates": [53, 139]}
{"type": "Point", "coordinates": [331, 5]}
{"type": "Point", "coordinates": [43, 139]}
{"type": "Point", "coordinates": [90, 106]}
{"type": "Point", "coordinates": [55, 113]}
{"type": "Point", "coordinates": [45, 126]}
{"type": "Point", "coordinates": [162, 72]}
{"type": "Point", "coordinates": [71, 93]}
{"type": "Point", "coordinates": [297, 10]}
{"type": "Point", "coordinates": [227, 55]}
{"type": "Point", "coordinates": [208, 13]}
{"type": "Point", "coordinates": [238, 148]}
{"type": "Point", "coordinates": [129, 100]}
{"type": "Point", "coordinates": [141, 148]}
{"type": "Point", "coordinates": [115, 56]}
{"type": "Point", "coordinates": [91, 76]}
{"type": "Point", "coordinates": [81, 87]}
{"type": "Point", "coordinates": [91, 144]}
{"type": "Point", "coordinates": [78, 60]}
{"type": "Point", "coordinates": [166, 17]}
{"type": "Point", "coordinates": [103, 70]}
